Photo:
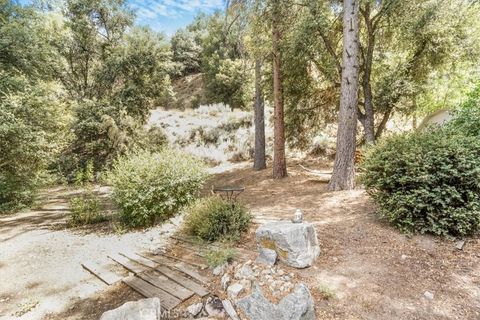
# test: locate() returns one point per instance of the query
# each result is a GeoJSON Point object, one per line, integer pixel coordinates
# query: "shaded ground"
{"type": "Point", "coordinates": [40, 258]}
{"type": "Point", "coordinates": [374, 271]}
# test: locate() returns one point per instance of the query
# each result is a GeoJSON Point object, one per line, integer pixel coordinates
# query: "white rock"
{"type": "Point", "coordinates": [195, 309]}
{"type": "Point", "coordinates": [244, 272]}
{"type": "Point", "coordinates": [227, 305]}
{"type": "Point", "coordinates": [145, 309]}
{"type": "Point", "coordinates": [266, 256]}
{"type": "Point", "coordinates": [296, 244]}
{"type": "Point", "coordinates": [429, 295]}
{"type": "Point", "coordinates": [225, 281]}
{"type": "Point", "coordinates": [219, 270]}
{"type": "Point", "coordinates": [234, 290]}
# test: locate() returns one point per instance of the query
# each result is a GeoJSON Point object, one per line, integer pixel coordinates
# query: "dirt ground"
{"type": "Point", "coordinates": [40, 261]}
{"type": "Point", "coordinates": [366, 270]}
{"type": "Point", "coordinates": [371, 270]}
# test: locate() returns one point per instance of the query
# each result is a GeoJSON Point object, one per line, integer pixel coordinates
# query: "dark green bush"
{"type": "Point", "coordinates": [427, 182]}
{"type": "Point", "coordinates": [150, 187]}
{"type": "Point", "coordinates": [213, 219]}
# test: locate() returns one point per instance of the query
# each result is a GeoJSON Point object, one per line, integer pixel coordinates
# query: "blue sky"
{"type": "Point", "coordinates": [169, 15]}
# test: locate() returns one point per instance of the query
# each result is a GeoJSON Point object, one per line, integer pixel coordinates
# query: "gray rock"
{"type": "Point", "coordinates": [296, 244]}
{"type": "Point", "coordinates": [145, 309]}
{"type": "Point", "coordinates": [230, 310]}
{"type": "Point", "coordinates": [234, 290]}
{"type": "Point", "coordinates": [296, 306]}
{"type": "Point", "coordinates": [225, 281]}
{"type": "Point", "coordinates": [460, 244]}
{"type": "Point", "coordinates": [214, 307]}
{"type": "Point", "coordinates": [267, 257]}
{"type": "Point", "coordinates": [195, 309]}
{"type": "Point", "coordinates": [219, 270]}
{"type": "Point", "coordinates": [245, 272]}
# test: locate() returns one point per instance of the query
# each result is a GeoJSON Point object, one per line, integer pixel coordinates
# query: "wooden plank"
{"type": "Point", "coordinates": [127, 263]}
{"type": "Point", "coordinates": [182, 259]}
{"type": "Point", "coordinates": [162, 282]}
{"type": "Point", "coordinates": [101, 272]}
{"type": "Point", "coordinates": [179, 278]}
{"type": "Point", "coordinates": [165, 260]}
{"type": "Point", "coordinates": [191, 272]}
{"type": "Point", "coordinates": [139, 259]}
{"type": "Point", "coordinates": [148, 290]}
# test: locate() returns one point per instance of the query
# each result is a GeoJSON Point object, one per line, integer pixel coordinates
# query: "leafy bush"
{"type": "Point", "coordinates": [220, 256]}
{"type": "Point", "coordinates": [85, 209]}
{"type": "Point", "coordinates": [149, 187]}
{"type": "Point", "coordinates": [427, 182]}
{"type": "Point", "coordinates": [213, 219]}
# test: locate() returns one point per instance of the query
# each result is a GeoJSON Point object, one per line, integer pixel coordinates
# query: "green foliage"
{"type": "Point", "coordinates": [427, 182]}
{"type": "Point", "coordinates": [467, 116]}
{"type": "Point", "coordinates": [85, 209]}
{"type": "Point", "coordinates": [151, 187]}
{"type": "Point", "coordinates": [220, 256]}
{"type": "Point", "coordinates": [213, 219]}
{"type": "Point", "coordinates": [186, 52]}
{"type": "Point", "coordinates": [121, 72]}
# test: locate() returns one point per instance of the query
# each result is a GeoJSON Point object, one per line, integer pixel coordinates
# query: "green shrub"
{"type": "Point", "coordinates": [213, 219]}
{"type": "Point", "coordinates": [427, 182]}
{"type": "Point", "coordinates": [150, 187]}
{"type": "Point", "coordinates": [85, 209]}
{"type": "Point", "coordinates": [220, 256]}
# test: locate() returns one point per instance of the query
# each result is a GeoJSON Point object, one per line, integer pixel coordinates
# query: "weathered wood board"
{"type": "Point", "coordinates": [102, 272]}
{"type": "Point", "coordinates": [162, 282]}
{"type": "Point", "coordinates": [148, 290]}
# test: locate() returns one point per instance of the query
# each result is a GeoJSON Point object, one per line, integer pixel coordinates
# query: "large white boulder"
{"type": "Point", "coordinates": [145, 309]}
{"type": "Point", "coordinates": [296, 244]}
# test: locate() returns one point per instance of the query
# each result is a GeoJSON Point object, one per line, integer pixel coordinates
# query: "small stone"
{"type": "Point", "coordinates": [429, 295]}
{"type": "Point", "coordinates": [225, 281]}
{"type": "Point", "coordinates": [245, 272]}
{"type": "Point", "coordinates": [266, 256]}
{"type": "Point", "coordinates": [195, 309]}
{"type": "Point", "coordinates": [247, 284]}
{"type": "Point", "coordinates": [460, 244]}
{"type": "Point", "coordinates": [219, 270]}
{"type": "Point", "coordinates": [280, 272]}
{"type": "Point", "coordinates": [227, 305]}
{"type": "Point", "coordinates": [266, 271]}
{"type": "Point", "coordinates": [404, 257]}
{"type": "Point", "coordinates": [234, 290]}
{"type": "Point", "coordinates": [286, 278]}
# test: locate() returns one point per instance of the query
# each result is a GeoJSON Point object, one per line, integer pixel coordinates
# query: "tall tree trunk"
{"type": "Point", "coordinates": [279, 163]}
{"type": "Point", "coordinates": [259, 109]}
{"type": "Point", "coordinates": [369, 120]}
{"type": "Point", "coordinates": [343, 177]}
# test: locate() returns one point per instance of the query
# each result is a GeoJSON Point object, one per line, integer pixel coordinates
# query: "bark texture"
{"type": "Point", "coordinates": [259, 162]}
{"type": "Point", "coordinates": [343, 177]}
{"type": "Point", "coordinates": [279, 162]}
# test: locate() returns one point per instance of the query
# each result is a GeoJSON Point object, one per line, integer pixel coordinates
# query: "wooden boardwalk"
{"type": "Point", "coordinates": [171, 278]}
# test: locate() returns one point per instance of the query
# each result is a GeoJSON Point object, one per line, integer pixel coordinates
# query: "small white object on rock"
{"type": "Point", "coordinates": [195, 309]}
{"type": "Point", "coordinates": [298, 217]}
{"type": "Point", "coordinates": [225, 281]}
{"type": "Point", "coordinates": [429, 295]}
{"type": "Point", "coordinates": [145, 309]}
{"type": "Point", "coordinates": [234, 290]}
{"type": "Point", "coordinates": [296, 244]}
